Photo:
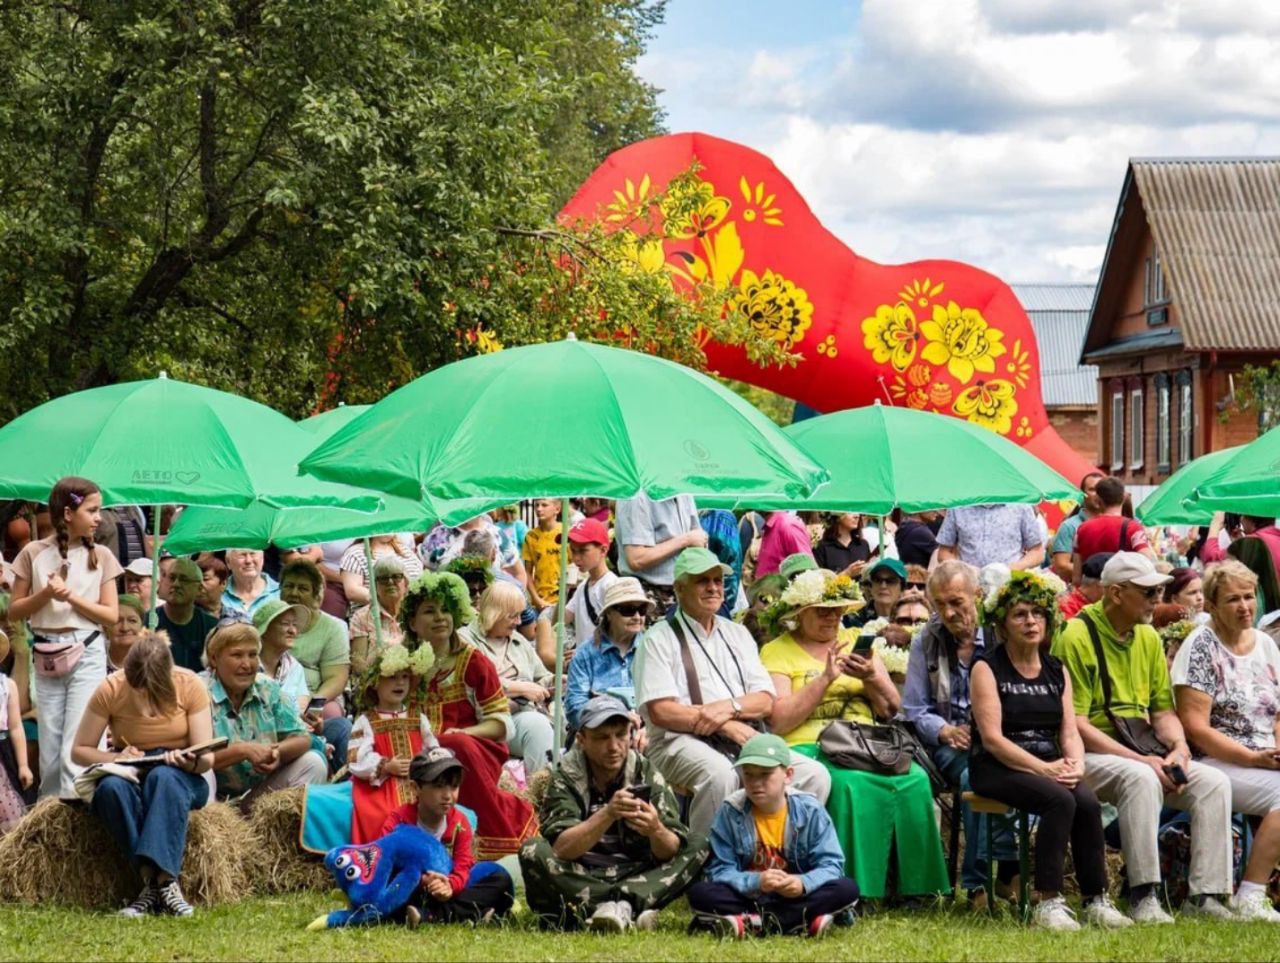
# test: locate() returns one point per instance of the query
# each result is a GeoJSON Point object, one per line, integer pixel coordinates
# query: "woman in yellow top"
{"type": "Point", "coordinates": [819, 679]}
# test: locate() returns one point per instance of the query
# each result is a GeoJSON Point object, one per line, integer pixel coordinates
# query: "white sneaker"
{"type": "Point", "coordinates": [1054, 914]}
{"type": "Point", "coordinates": [1102, 912]}
{"type": "Point", "coordinates": [1209, 906]}
{"type": "Point", "coordinates": [609, 918]}
{"type": "Point", "coordinates": [1149, 910]}
{"type": "Point", "coordinates": [1255, 908]}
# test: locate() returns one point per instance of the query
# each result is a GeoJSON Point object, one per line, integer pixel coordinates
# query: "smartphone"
{"type": "Point", "coordinates": [863, 646]}
{"type": "Point", "coordinates": [641, 791]}
{"type": "Point", "coordinates": [1176, 774]}
{"type": "Point", "coordinates": [316, 704]}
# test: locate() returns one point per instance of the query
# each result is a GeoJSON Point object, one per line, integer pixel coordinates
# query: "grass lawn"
{"type": "Point", "coordinates": [274, 929]}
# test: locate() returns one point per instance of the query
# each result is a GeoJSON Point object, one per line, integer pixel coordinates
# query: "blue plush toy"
{"type": "Point", "coordinates": [379, 877]}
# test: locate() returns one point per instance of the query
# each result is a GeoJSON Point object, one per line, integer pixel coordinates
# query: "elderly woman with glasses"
{"type": "Point", "coordinates": [391, 584]}
{"type": "Point", "coordinates": [603, 666]}
{"type": "Point", "coordinates": [886, 580]}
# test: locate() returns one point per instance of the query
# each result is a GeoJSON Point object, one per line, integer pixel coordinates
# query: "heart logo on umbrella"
{"type": "Point", "coordinates": [186, 477]}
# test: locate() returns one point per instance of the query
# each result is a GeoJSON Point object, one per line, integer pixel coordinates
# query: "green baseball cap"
{"type": "Point", "coordinates": [766, 750]}
{"type": "Point", "coordinates": [695, 561]}
{"type": "Point", "coordinates": [892, 564]}
{"type": "Point", "coordinates": [793, 565]}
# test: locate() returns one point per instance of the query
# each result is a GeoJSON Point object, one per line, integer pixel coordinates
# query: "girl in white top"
{"type": "Point", "coordinates": [65, 586]}
{"type": "Point", "coordinates": [1226, 679]}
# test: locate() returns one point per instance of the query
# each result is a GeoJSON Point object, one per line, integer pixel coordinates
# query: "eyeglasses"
{"type": "Point", "coordinates": [235, 618]}
{"type": "Point", "coordinates": [907, 620]}
{"type": "Point", "coordinates": [1146, 591]}
{"type": "Point", "coordinates": [630, 611]}
{"type": "Point", "coordinates": [388, 579]}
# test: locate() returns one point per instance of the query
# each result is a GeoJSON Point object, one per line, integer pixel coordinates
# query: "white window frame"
{"type": "Point", "coordinates": [1136, 415]}
{"type": "Point", "coordinates": [1186, 422]}
{"type": "Point", "coordinates": [1117, 430]}
{"type": "Point", "coordinates": [1164, 427]}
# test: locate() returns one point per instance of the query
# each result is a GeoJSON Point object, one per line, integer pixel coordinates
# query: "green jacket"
{"type": "Point", "coordinates": [565, 803]}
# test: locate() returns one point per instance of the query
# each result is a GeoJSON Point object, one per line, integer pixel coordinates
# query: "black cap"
{"type": "Point", "coordinates": [1094, 564]}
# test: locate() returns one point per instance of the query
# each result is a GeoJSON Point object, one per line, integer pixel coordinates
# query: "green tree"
{"type": "Point", "coordinates": [313, 201]}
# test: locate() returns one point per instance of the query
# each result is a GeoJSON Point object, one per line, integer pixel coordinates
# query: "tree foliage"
{"type": "Point", "coordinates": [314, 201]}
{"type": "Point", "coordinates": [1258, 391]}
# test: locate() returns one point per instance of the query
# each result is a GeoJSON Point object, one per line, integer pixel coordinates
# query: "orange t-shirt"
{"type": "Point", "coordinates": [771, 831]}
{"type": "Point", "coordinates": [128, 712]}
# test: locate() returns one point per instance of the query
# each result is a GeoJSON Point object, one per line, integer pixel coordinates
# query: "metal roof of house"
{"type": "Point", "coordinates": [1216, 224]}
{"type": "Point", "coordinates": [1059, 315]}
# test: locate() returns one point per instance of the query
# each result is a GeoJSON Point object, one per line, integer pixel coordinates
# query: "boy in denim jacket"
{"type": "Point", "coordinates": [775, 860]}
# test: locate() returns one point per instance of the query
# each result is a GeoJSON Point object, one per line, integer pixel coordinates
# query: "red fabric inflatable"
{"type": "Point", "coordinates": [935, 335]}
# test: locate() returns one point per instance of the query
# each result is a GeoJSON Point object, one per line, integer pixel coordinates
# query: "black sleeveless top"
{"type": "Point", "coordinates": [1030, 709]}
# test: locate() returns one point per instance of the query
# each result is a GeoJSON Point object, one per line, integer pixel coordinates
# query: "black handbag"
{"type": "Point", "coordinates": [1132, 733]}
{"type": "Point", "coordinates": [853, 745]}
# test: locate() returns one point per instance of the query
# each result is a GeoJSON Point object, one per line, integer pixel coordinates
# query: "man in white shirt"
{"type": "Point", "coordinates": [696, 725]}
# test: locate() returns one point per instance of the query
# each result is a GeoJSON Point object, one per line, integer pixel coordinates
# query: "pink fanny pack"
{"type": "Point", "coordinates": [55, 658]}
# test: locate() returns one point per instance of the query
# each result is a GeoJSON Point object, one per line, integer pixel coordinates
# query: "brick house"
{"type": "Point", "coordinates": [1059, 314]}
{"type": "Point", "coordinates": [1188, 295]}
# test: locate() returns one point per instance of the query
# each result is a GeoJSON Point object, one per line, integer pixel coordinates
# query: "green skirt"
{"type": "Point", "coordinates": [873, 814]}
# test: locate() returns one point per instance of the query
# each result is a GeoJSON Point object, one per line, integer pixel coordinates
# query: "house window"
{"type": "Point", "coordinates": [1135, 428]}
{"type": "Point", "coordinates": [1153, 289]}
{"type": "Point", "coordinates": [1164, 426]}
{"type": "Point", "coordinates": [1117, 430]}
{"type": "Point", "coordinates": [1186, 420]}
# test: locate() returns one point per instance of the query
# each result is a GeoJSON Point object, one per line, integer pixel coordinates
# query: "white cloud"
{"type": "Point", "coordinates": [992, 131]}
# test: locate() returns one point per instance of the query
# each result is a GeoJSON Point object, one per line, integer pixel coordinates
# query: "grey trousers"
{"type": "Point", "coordinates": [687, 762]}
{"type": "Point", "coordinates": [1132, 787]}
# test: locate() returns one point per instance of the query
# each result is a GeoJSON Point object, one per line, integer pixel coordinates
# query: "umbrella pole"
{"type": "Point", "coordinates": [373, 596]}
{"type": "Point", "coordinates": [882, 518]}
{"type": "Point", "coordinates": [557, 735]}
{"type": "Point", "coordinates": [153, 615]}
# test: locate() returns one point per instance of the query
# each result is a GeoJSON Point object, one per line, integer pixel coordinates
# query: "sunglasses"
{"type": "Point", "coordinates": [885, 580]}
{"type": "Point", "coordinates": [916, 585]}
{"type": "Point", "coordinates": [906, 620]}
{"type": "Point", "coordinates": [1147, 592]}
{"type": "Point", "coordinates": [630, 611]}
{"type": "Point", "coordinates": [388, 579]}
{"type": "Point", "coordinates": [237, 618]}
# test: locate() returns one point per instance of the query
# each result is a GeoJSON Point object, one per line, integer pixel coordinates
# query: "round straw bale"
{"type": "Point", "coordinates": [280, 864]}
{"type": "Point", "coordinates": [61, 854]}
{"type": "Point", "coordinates": [220, 856]}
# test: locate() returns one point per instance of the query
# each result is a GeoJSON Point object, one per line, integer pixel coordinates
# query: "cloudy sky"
{"type": "Point", "coordinates": [991, 131]}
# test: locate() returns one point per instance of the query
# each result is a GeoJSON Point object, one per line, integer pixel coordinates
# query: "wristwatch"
{"type": "Point", "coordinates": [737, 708]}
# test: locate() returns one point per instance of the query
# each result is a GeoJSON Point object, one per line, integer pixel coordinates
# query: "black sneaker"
{"type": "Point", "coordinates": [172, 901]}
{"type": "Point", "coordinates": [144, 903]}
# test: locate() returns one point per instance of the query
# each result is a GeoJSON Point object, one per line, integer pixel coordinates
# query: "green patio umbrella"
{"type": "Point", "coordinates": [1248, 483]}
{"type": "Point", "coordinates": [1174, 502]}
{"type": "Point", "coordinates": [881, 458]}
{"type": "Point", "coordinates": [560, 419]}
{"type": "Point", "coordinates": [164, 442]}
{"type": "Point", "coordinates": [327, 422]}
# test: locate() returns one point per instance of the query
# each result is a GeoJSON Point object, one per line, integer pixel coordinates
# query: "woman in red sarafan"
{"type": "Point", "coordinates": [467, 710]}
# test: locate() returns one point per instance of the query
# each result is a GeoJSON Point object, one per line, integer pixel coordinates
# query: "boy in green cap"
{"type": "Point", "coordinates": [775, 860]}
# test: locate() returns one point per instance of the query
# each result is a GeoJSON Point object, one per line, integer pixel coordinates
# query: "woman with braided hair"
{"type": "Point", "coordinates": [468, 710]}
{"type": "Point", "coordinates": [65, 586]}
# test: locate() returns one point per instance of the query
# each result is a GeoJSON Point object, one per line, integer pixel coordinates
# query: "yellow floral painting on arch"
{"type": "Point", "coordinates": [961, 339]}
{"type": "Point", "coordinates": [891, 335]}
{"type": "Point", "coordinates": [990, 404]}
{"type": "Point", "coordinates": [773, 306]}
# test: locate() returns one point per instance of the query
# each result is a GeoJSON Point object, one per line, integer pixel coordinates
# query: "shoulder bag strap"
{"type": "Point", "coordinates": [1124, 531]}
{"type": "Point", "coordinates": [592, 614]}
{"type": "Point", "coordinates": [686, 659]}
{"type": "Point", "coordinates": [1104, 676]}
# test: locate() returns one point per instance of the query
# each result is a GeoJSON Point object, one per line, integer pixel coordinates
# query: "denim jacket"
{"type": "Point", "coordinates": [810, 845]}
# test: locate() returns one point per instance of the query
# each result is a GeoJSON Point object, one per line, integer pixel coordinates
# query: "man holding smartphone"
{"type": "Point", "coordinates": [613, 850]}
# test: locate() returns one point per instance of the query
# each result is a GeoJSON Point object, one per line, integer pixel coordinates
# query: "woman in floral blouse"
{"type": "Point", "coordinates": [1226, 682]}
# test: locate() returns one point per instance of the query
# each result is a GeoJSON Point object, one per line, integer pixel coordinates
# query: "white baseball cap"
{"type": "Point", "coordinates": [1126, 567]}
{"type": "Point", "coordinates": [140, 567]}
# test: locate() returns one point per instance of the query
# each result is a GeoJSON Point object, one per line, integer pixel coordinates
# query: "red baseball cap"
{"type": "Point", "coordinates": [590, 531]}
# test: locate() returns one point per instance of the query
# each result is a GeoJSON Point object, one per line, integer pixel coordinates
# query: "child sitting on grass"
{"type": "Point", "coordinates": [472, 892]}
{"type": "Point", "coordinates": [775, 860]}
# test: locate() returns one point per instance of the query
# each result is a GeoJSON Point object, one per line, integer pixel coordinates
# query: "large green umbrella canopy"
{"type": "Point", "coordinates": [1249, 482]}
{"type": "Point", "coordinates": [881, 458]}
{"type": "Point", "coordinates": [327, 422]}
{"type": "Point", "coordinates": [1174, 502]}
{"type": "Point", "coordinates": [262, 524]}
{"type": "Point", "coordinates": [560, 419]}
{"type": "Point", "coordinates": [163, 442]}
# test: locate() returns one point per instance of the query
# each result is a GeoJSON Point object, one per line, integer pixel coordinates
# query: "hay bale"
{"type": "Point", "coordinates": [220, 856]}
{"type": "Point", "coordinates": [280, 865]}
{"type": "Point", "coordinates": [61, 854]}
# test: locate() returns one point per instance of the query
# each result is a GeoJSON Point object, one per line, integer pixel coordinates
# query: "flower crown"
{"type": "Point", "coordinates": [446, 588]}
{"type": "Point", "coordinates": [1040, 588]}
{"type": "Point", "coordinates": [1175, 633]}
{"type": "Point", "coordinates": [390, 661]}
{"type": "Point", "coordinates": [813, 587]}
